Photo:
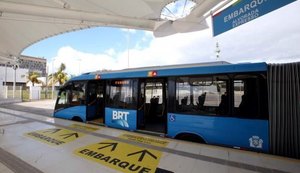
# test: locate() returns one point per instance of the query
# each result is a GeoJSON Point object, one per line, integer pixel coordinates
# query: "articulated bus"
{"type": "Point", "coordinates": [214, 103]}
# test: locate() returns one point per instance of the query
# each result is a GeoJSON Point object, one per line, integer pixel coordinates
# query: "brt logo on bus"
{"type": "Point", "coordinates": [120, 118]}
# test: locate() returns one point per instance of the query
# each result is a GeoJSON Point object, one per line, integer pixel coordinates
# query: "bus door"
{"type": "Point", "coordinates": [95, 101]}
{"type": "Point", "coordinates": [152, 105]}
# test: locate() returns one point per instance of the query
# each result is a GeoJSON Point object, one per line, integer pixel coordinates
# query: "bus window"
{"type": "Point", "coordinates": [123, 94]}
{"type": "Point", "coordinates": [154, 92]}
{"type": "Point", "coordinates": [95, 92]}
{"type": "Point", "coordinates": [250, 96]}
{"type": "Point", "coordinates": [62, 99]}
{"type": "Point", "coordinates": [238, 92]}
{"type": "Point", "coordinates": [77, 94]}
{"type": "Point", "coordinates": [202, 95]}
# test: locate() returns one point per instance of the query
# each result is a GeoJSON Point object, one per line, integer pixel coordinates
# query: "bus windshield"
{"type": "Point", "coordinates": [73, 94]}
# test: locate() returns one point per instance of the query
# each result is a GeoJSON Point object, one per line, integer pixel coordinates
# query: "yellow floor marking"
{"type": "Point", "coordinates": [85, 127]}
{"type": "Point", "coordinates": [145, 140]}
{"type": "Point", "coordinates": [121, 156]}
{"type": "Point", "coordinates": [54, 136]}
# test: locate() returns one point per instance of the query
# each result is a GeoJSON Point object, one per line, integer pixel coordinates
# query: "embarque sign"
{"type": "Point", "coordinates": [59, 136]}
{"type": "Point", "coordinates": [242, 12]}
{"type": "Point", "coordinates": [54, 136]}
{"type": "Point", "coordinates": [121, 156]}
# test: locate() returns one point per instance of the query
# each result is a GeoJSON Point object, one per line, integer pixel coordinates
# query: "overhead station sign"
{"type": "Point", "coordinates": [244, 11]}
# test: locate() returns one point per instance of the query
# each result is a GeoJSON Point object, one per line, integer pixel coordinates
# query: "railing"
{"type": "Point", "coordinates": [7, 92]}
{"type": "Point", "coordinates": [27, 93]}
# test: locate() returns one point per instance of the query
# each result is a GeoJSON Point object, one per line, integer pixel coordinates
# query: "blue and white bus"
{"type": "Point", "coordinates": [214, 103]}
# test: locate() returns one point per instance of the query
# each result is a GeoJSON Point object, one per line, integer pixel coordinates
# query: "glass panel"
{"type": "Point", "coordinates": [77, 97]}
{"type": "Point", "coordinates": [96, 92]}
{"type": "Point", "coordinates": [72, 94]}
{"type": "Point", "coordinates": [250, 96]}
{"type": "Point", "coordinates": [238, 92]}
{"type": "Point", "coordinates": [123, 94]}
{"type": "Point", "coordinates": [201, 95]}
{"type": "Point", "coordinates": [62, 98]}
{"type": "Point", "coordinates": [154, 92]}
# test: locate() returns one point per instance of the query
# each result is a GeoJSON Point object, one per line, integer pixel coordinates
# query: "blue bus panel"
{"type": "Point", "coordinates": [235, 132]}
{"type": "Point", "coordinates": [121, 118]}
{"type": "Point", "coordinates": [216, 69]}
{"type": "Point", "coordinates": [70, 112]}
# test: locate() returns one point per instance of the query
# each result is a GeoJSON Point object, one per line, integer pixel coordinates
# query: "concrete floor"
{"type": "Point", "coordinates": [41, 107]}
{"type": "Point", "coordinates": [31, 143]}
{"type": "Point", "coordinates": [4, 169]}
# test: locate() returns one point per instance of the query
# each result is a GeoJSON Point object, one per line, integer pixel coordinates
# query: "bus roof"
{"type": "Point", "coordinates": [220, 67]}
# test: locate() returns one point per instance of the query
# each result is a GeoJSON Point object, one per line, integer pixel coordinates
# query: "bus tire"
{"type": "Point", "coordinates": [78, 119]}
{"type": "Point", "coordinates": [190, 137]}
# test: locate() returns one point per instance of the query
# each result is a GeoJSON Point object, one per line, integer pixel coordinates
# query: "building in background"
{"type": "Point", "coordinates": [34, 64]}
{"type": "Point", "coordinates": [26, 65]}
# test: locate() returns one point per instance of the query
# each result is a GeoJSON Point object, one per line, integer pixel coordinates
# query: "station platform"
{"type": "Point", "coordinates": [31, 142]}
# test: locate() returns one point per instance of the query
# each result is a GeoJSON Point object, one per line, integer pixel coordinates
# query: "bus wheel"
{"type": "Point", "coordinates": [190, 137]}
{"type": "Point", "coordinates": [78, 119]}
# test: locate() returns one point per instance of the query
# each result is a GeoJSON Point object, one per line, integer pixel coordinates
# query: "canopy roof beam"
{"type": "Point", "coordinates": [64, 13]}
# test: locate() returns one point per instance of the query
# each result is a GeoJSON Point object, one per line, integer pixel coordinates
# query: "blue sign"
{"type": "Point", "coordinates": [244, 11]}
{"type": "Point", "coordinates": [120, 118]}
{"type": "Point", "coordinates": [172, 117]}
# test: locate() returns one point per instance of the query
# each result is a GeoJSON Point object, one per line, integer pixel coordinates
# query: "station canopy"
{"type": "Point", "coordinates": [25, 22]}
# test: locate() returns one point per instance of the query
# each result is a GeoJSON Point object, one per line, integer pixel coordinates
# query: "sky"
{"type": "Point", "coordinates": [272, 38]}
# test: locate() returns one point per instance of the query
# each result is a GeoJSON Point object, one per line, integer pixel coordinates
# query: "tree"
{"type": "Point", "coordinates": [60, 76]}
{"type": "Point", "coordinates": [33, 78]}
